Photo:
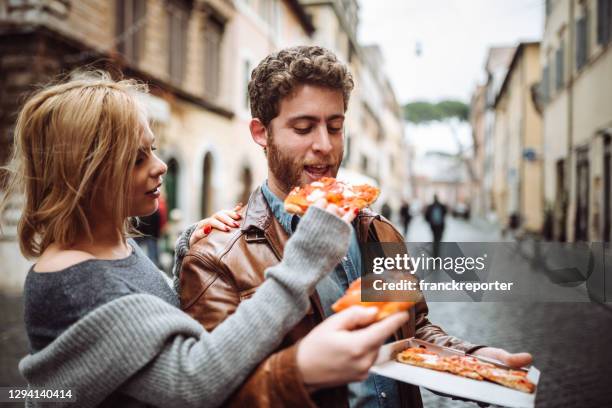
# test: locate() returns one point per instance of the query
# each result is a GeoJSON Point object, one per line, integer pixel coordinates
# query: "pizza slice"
{"type": "Point", "coordinates": [421, 357]}
{"type": "Point", "coordinates": [515, 379]}
{"type": "Point", "coordinates": [352, 297]}
{"type": "Point", "coordinates": [334, 191]}
{"type": "Point", "coordinates": [467, 366]}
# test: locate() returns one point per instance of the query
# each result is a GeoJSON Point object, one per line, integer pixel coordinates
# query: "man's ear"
{"type": "Point", "coordinates": [259, 133]}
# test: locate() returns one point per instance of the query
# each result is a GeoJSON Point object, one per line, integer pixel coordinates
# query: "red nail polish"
{"type": "Point", "coordinates": [356, 211]}
{"type": "Point", "coordinates": [207, 229]}
{"type": "Point", "coordinates": [236, 225]}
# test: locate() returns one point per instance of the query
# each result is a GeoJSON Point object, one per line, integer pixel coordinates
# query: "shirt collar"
{"type": "Point", "coordinates": [278, 209]}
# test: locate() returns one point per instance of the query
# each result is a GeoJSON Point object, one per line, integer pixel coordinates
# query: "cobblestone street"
{"type": "Point", "coordinates": [570, 341]}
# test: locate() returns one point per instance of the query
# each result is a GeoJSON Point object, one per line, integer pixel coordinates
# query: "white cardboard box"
{"type": "Point", "coordinates": [447, 383]}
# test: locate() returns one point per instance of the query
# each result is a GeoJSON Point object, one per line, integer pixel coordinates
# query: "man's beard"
{"type": "Point", "coordinates": [288, 171]}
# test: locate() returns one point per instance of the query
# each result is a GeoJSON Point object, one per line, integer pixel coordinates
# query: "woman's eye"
{"type": "Point", "coordinates": [302, 131]}
{"type": "Point", "coordinates": [139, 160]}
{"type": "Point", "coordinates": [153, 148]}
{"type": "Point", "coordinates": [334, 130]}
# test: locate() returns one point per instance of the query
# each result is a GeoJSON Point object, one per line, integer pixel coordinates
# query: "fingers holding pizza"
{"type": "Point", "coordinates": [343, 347]}
{"type": "Point", "coordinates": [352, 297]}
{"type": "Point", "coordinates": [347, 214]}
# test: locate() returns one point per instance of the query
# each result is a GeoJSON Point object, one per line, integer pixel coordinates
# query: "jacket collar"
{"type": "Point", "coordinates": [258, 215]}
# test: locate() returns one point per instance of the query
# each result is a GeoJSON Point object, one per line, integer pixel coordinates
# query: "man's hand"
{"type": "Point", "coordinates": [514, 360]}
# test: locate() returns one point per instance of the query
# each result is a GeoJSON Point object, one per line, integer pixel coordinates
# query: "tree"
{"type": "Point", "coordinates": [424, 112]}
{"type": "Point", "coordinates": [448, 111]}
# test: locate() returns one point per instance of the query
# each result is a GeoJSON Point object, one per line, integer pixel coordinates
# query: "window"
{"type": "Point", "coordinates": [604, 21]}
{"type": "Point", "coordinates": [559, 72]}
{"type": "Point", "coordinates": [582, 40]}
{"type": "Point", "coordinates": [171, 183]}
{"type": "Point", "coordinates": [213, 34]}
{"type": "Point", "coordinates": [131, 22]}
{"type": "Point", "coordinates": [178, 19]}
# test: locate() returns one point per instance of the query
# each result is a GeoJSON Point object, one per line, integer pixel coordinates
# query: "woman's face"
{"type": "Point", "coordinates": [146, 176]}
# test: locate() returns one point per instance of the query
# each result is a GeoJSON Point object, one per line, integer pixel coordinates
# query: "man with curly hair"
{"type": "Point", "coordinates": [299, 97]}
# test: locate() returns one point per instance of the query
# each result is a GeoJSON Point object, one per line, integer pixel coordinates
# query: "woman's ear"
{"type": "Point", "coordinates": [259, 132]}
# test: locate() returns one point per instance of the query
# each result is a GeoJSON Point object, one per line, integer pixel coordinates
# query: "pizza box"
{"type": "Point", "coordinates": [450, 384]}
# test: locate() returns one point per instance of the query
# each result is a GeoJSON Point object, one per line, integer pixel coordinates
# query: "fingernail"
{"type": "Point", "coordinates": [356, 211]}
{"type": "Point", "coordinates": [345, 208]}
{"type": "Point", "coordinates": [207, 229]}
{"type": "Point", "coordinates": [226, 229]}
{"type": "Point", "coordinates": [236, 224]}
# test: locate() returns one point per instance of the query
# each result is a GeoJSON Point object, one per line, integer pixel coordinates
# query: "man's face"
{"type": "Point", "coordinates": [305, 141]}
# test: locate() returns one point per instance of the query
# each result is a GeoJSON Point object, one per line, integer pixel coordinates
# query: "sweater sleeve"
{"type": "Point", "coordinates": [191, 372]}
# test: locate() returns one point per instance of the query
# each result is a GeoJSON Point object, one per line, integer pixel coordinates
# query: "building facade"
{"type": "Point", "coordinates": [197, 57]}
{"type": "Point", "coordinates": [496, 67]}
{"type": "Point", "coordinates": [575, 95]}
{"type": "Point", "coordinates": [518, 142]}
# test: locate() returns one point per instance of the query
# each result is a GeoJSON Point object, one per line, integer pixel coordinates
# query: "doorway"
{"type": "Point", "coordinates": [581, 232]}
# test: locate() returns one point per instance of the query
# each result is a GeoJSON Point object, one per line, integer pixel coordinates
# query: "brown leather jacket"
{"type": "Point", "coordinates": [224, 269]}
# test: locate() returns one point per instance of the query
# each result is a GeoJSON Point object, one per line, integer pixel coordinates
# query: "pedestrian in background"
{"type": "Point", "coordinates": [435, 215]}
{"type": "Point", "coordinates": [405, 216]}
{"type": "Point", "coordinates": [386, 211]}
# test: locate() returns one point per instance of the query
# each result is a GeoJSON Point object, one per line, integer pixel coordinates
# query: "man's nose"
{"type": "Point", "coordinates": [322, 142]}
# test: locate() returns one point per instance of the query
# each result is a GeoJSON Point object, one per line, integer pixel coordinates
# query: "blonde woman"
{"type": "Point", "coordinates": [101, 319]}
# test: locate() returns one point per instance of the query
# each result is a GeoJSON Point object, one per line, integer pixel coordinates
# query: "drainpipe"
{"type": "Point", "coordinates": [570, 122]}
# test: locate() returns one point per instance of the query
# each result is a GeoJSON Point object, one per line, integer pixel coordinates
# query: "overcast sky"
{"type": "Point", "coordinates": [454, 35]}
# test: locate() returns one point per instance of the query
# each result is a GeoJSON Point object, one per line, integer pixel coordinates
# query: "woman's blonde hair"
{"type": "Point", "coordinates": [75, 146]}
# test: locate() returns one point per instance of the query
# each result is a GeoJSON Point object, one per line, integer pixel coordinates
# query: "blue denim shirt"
{"type": "Point", "coordinates": [375, 391]}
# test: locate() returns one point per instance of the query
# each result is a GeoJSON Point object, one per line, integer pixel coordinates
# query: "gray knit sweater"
{"type": "Point", "coordinates": [144, 348]}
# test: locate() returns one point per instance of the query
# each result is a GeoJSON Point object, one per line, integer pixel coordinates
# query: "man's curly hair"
{"type": "Point", "coordinates": [281, 72]}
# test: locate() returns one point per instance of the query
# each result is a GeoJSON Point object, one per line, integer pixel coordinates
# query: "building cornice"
{"type": "Point", "coordinates": [82, 54]}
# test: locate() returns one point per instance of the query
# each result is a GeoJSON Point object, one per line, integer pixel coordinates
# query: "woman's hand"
{"type": "Point", "coordinates": [223, 220]}
{"type": "Point", "coordinates": [341, 349]}
{"type": "Point", "coordinates": [348, 214]}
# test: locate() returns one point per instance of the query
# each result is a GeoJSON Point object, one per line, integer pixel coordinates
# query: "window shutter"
{"type": "Point", "coordinates": [559, 57]}
{"type": "Point", "coordinates": [604, 21]}
{"type": "Point", "coordinates": [545, 88]}
{"type": "Point", "coordinates": [581, 42]}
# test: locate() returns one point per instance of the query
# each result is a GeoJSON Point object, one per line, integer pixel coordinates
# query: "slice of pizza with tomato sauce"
{"type": "Point", "coordinates": [352, 297]}
{"type": "Point", "coordinates": [334, 191]}
{"type": "Point", "coordinates": [467, 366]}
